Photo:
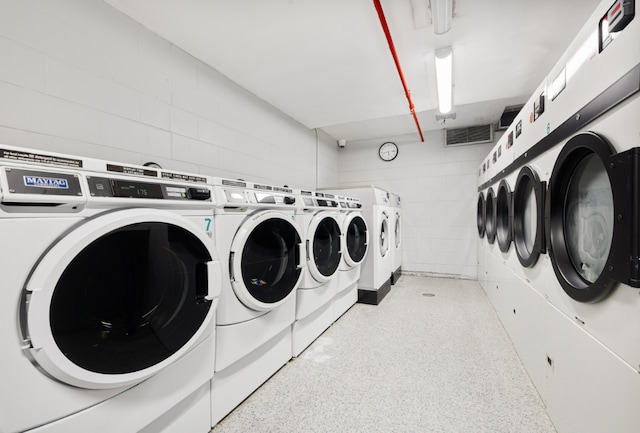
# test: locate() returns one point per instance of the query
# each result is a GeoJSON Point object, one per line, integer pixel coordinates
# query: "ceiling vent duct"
{"type": "Point", "coordinates": [469, 135]}
{"type": "Point", "coordinates": [508, 116]}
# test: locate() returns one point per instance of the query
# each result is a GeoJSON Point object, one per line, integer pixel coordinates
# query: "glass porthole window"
{"type": "Point", "coordinates": [588, 218]}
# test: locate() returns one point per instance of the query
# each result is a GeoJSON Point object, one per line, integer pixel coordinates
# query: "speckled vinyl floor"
{"type": "Point", "coordinates": [414, 363]}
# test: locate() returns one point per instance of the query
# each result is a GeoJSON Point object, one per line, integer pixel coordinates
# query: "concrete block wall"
{"type": "Point", "coordinates": [80, 77]}
{"type": "Point", "coordinates": [437, 186]}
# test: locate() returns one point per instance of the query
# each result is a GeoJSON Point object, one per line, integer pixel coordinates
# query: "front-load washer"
{"type": "Point", "coordinates": [355, 244]}
{"type": "Point", "coordinates": [396, 237]}
{"type": "Point", "coordinates": [110, 288]}
{"type": "Point", "coordinates": [317, 219]}
{"type": "Point", "coordinates": [375, 273]}
{"type": "Point", "coordinates": [256, 235]}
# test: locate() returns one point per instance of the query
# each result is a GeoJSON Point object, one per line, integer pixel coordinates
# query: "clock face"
{"type": "Point", "coordinates": [388, 151]}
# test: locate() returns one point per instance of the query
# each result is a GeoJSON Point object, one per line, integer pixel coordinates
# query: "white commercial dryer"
{"type": "Point", "coordinates": [375, 274]}
{"type": "Point", "coordinates": [261, 247]}
{"type": "Point", "coordinates": [574, 312]}
{"type": "Point", "coordinates": [317, 219]}
{"type": "Point", "coordinates": [110, 288]}
{"type": "Point", "coordinates": [396, 234]}
{"type": "Point", "coordinates": [355, 243]}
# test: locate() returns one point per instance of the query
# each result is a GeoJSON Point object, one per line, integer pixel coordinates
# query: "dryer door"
{"type": "Point", "coordinates": [266, 260]}
{"type": "Point", "coordinates": [591, 217]}
{"type": "Point", "coordinates": [503, 216]}
{"type": "Point", "coordinates": [120, 297]}
{"type": "Point", "coordinates": [356, 239]}
{"type": "Point", "coordinates": [528, 217]}
{"type": "Point", "coordinates": [323, 247]}
{"type": "Point", "coordinates": [490, 216]}
{"type": "Point", "coordinates": [480, 215]}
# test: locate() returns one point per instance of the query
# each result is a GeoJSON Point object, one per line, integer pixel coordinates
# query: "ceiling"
{"type": "Point", "coordinates": [327, 64]}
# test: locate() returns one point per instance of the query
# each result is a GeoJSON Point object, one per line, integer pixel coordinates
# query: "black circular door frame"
{"type": "Point", "coordinates": [480, 215]}
{"type": "Point", "coordinates": [490, 216]}
{"type": "Point", "coordinates": [621, 171]}
{"type": "Point", "coordinates": [527, 182]}
{"type": "Point", "coordinates": [503, 216]}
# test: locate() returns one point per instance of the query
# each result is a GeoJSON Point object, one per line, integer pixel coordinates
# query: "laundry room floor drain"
{"type": "Point", "coordinates": [429, 295]}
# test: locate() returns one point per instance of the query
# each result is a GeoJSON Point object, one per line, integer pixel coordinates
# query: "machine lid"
{"type": "Point", "coordinates": [323, 247]}
{"type": "Point", "coordinates": [528, 217]}
{"type": "Point", "coordinates": [266, 260]}
{"type": "Point", "coordinates": [356, 239]}
{"type": "Point", "coordinates": [120, 297]}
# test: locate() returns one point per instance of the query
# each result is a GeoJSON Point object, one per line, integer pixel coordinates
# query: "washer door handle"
{"type": "Point", "coordinates": [301, 255]}
{"type": "Point", "coordinates": [214, 278]}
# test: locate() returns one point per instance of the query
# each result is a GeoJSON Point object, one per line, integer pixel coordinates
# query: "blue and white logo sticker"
{"type": "Point", "coordinates": [46, 182]}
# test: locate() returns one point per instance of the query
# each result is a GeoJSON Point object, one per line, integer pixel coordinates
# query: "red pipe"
{"type": "Point", "coordinates": [385, 27]}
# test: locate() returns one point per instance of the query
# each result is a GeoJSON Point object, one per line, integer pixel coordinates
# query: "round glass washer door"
{"type": "Point", "coordinates": [528, 217]}
{"type": "Point", "coordinates": [490, 216]}
{"type": "Point", "coordinates": [324, 248]}
{"type": "Point", "coordinates": [265, 260]}
{"type": "Point", "coordinates": [503, 216]}
{"type": "Point", "coordinates": [356, 239]}
{"type": "Point", "coordinates": [119, 297]}
{"type": "Point", "coordinates": [384, 234]}
{"type": "Point", "coordinates": [582, 223]}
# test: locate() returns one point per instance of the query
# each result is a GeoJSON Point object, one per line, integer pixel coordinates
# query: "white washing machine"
{"type": "Point", "coordinates": [574, 312]}
{"type": "Point", "coordinates": [355, 243]}
{"type": "Point", "coordinates": [317, 219]}
{"type": "Point", "coordinates": [375, 273]}
{"type": "Point", "coordinates": [396, 233]}
{"type": "Point", "coordinates": [259, 242]}
{"type": "Point", "coordinates": [110, 288]}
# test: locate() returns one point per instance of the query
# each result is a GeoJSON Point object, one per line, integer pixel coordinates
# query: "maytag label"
{"type": "Point", "coordinates": [45, 182]}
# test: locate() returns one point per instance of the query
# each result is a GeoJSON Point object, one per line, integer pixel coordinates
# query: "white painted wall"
{"type": "Point", "coordinates": [437, 186]}
{"type": "Point", "coordinates": [81, 78]}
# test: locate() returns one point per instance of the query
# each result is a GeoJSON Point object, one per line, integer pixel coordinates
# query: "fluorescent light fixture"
{"type": "Point", "coordinates": [441, 15]}
{"type": "Point", "coordinates": [444, 74]}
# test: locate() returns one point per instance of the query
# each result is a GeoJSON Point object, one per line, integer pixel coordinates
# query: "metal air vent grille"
{"type": "Point", "coordinates": [469, 135]}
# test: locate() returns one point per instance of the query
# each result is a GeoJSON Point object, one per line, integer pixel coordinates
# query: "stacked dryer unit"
{"type": "Point", "coordinates": [375, 273]}
{"type": "Point", "coordinates": [262, 253]}
{"type": "Point", "coordinates": [355, 244]}
{"type": "Point", "coordinates": [317, 219]}
{"type": "Point", "coordinates": [396, 234]}
{"type": "Point", "coordinates": [110, 289]}
{"type": "Point", "coordinates": [569, 296]}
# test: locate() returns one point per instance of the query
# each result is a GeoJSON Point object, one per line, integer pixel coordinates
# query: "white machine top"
{"type": "Point", "coordinates": [368, 195]}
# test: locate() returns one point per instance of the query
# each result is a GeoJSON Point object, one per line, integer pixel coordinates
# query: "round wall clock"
{"type": "Point", "coordinates": [388, 151]}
